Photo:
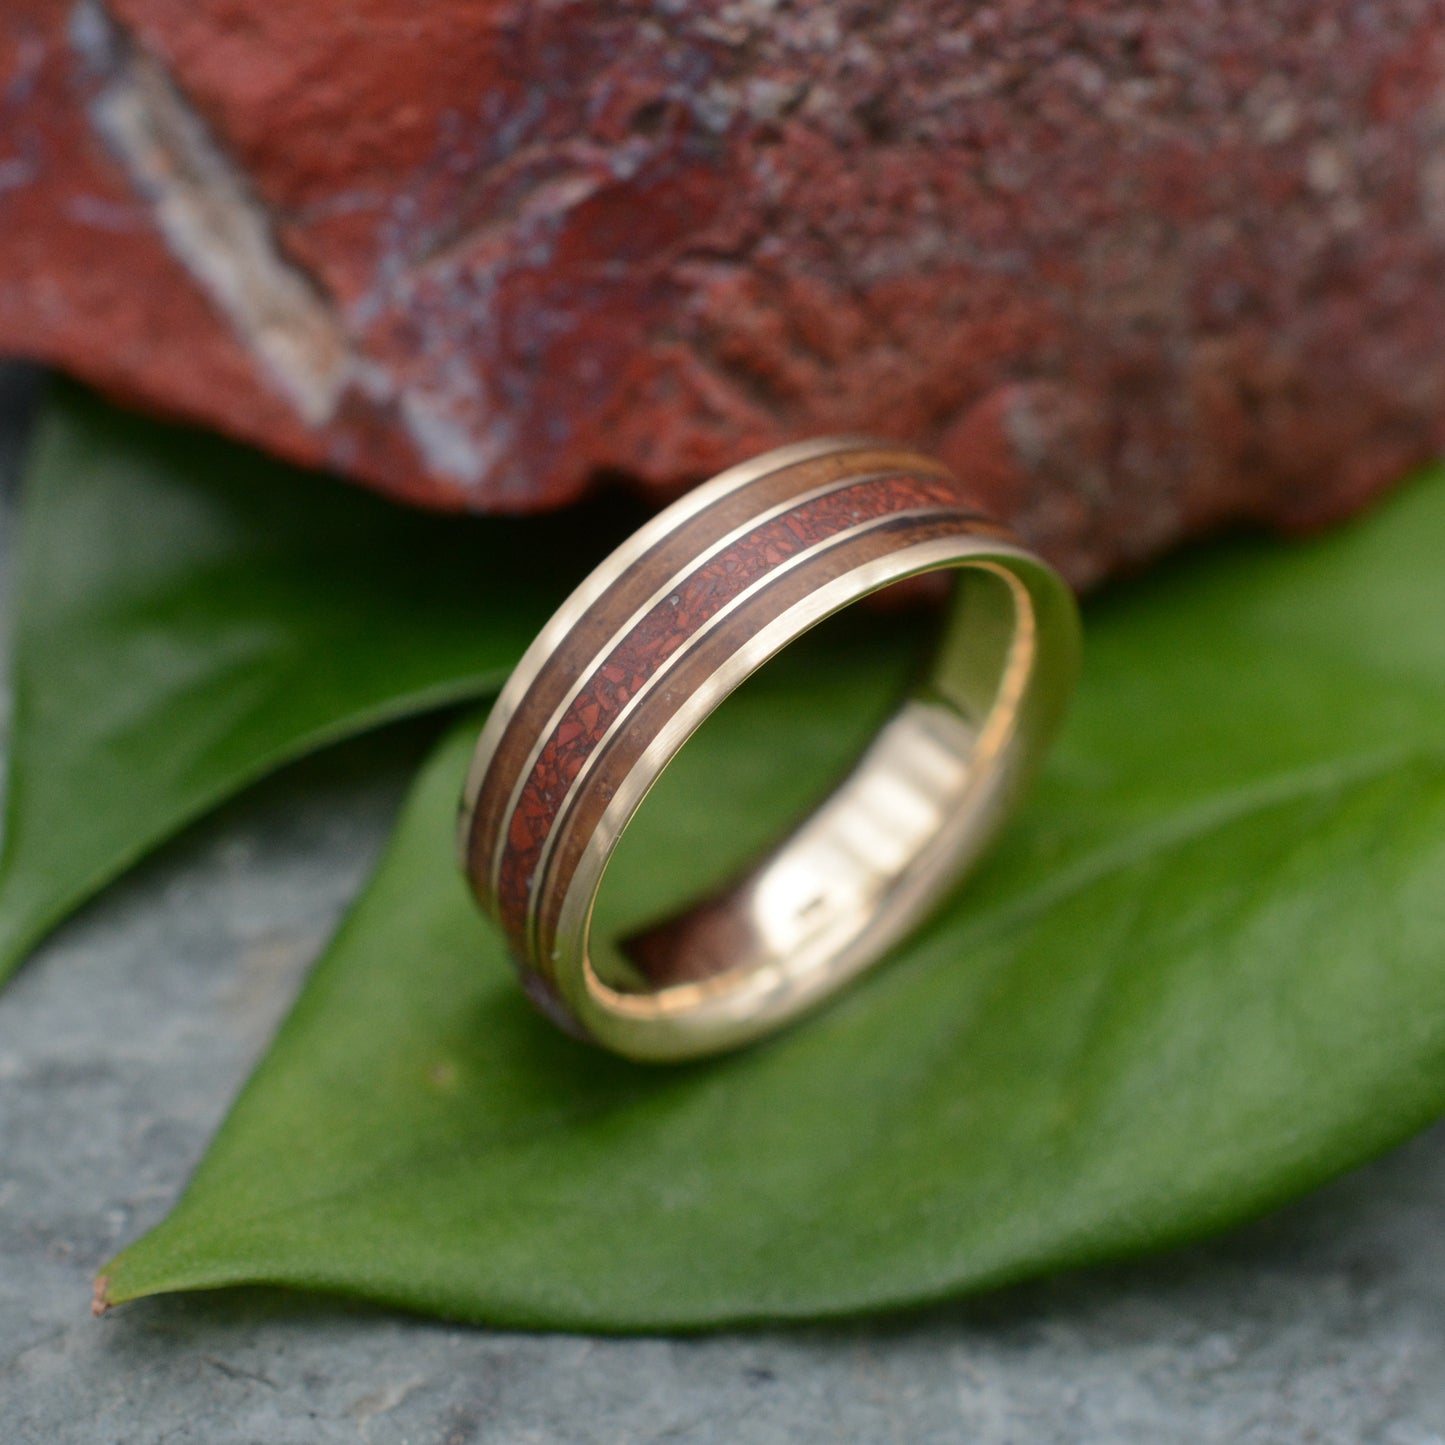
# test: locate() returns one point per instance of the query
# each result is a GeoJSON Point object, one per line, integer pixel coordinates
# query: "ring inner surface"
{"type": "Point", "coordinates": [875, 853]}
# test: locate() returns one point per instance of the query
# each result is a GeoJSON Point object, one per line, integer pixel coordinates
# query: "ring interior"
{"type": "Point", "coordinates": [894, 833]}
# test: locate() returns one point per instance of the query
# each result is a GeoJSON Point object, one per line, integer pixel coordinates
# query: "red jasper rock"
{"type": "Point", "coordinates": [1140, 270]}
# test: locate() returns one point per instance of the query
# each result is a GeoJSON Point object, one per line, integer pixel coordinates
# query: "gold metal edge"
{"type": "Point", "coordinates": [608, 571]}
{"type": "Point", "coordinates": [623, 630]}
{"type": "Point", "coordinates": [656, 1036]}
{"type": "Point", "coordinates": [620, 723]}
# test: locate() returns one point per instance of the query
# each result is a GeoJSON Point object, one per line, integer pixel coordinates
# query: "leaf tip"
{"type": "Point", "coordinates": [100, 1301]}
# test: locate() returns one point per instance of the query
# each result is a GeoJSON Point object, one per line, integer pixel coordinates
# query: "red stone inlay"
{"type": "Point", "coordinates": [669, 624]}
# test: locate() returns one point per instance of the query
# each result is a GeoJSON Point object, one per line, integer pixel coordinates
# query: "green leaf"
{"type": "Point", "coordinates": [1203, 973]}
{"type": "Point", "coordinates": [190, 614]}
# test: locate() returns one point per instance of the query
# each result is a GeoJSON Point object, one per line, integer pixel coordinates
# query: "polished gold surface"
{"type": "Point", "coordinates": [863, 869]}
{"type": "Point", "coordinates": [611, 568]}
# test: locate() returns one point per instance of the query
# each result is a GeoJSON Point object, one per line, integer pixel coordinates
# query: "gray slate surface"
{"type": "Point", "coordinates": [124, 1039]}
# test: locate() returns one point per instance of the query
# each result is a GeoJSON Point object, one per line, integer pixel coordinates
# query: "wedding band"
{"type": "Point", "coordinates": [650, 644]}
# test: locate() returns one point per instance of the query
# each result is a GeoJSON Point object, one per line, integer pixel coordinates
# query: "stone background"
{"type": "Point", "coordinates": [123, 1041]}
{"type": "Point", "coordinates": [1138, 270]}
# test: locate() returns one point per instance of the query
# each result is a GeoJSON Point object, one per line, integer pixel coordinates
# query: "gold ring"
{"type": "Point", "coordinates": [652, 642]}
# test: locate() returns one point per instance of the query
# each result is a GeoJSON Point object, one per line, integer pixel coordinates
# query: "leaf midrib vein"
{"type": "Point", "coordinates": [1190, 825]}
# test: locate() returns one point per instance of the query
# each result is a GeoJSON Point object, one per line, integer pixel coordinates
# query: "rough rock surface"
{"type": "Point", "coordinates": [1140, 269]}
